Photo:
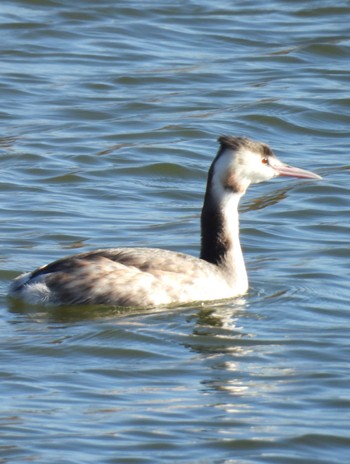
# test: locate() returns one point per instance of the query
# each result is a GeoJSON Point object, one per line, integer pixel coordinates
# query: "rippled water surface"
{"type": "Point", "coordinates": [109, 117]}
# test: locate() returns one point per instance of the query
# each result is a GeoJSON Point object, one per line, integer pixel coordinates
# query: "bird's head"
{"type": "Point", "coordinates": [241, 162]}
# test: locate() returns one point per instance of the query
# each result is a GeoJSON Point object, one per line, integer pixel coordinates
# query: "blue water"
{"type": "Point", "coordinates": [109, 117]}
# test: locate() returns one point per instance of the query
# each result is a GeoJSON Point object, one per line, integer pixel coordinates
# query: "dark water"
{"type": "Point", "coordinates": [109, 117]}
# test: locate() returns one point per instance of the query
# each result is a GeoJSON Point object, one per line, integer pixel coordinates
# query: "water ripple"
{"type": "Point", "coordinates": [110, 114]}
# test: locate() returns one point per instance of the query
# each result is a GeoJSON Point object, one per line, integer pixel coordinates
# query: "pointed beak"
{"type": "Point", "coordinates": [290, 171]}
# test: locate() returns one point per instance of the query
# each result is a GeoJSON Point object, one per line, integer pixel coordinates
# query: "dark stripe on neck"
{"type": "Point", "coordinates": [214, 242]}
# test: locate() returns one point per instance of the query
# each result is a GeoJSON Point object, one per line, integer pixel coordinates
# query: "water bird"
{"type": "Point", "coordinates": [152, 277]}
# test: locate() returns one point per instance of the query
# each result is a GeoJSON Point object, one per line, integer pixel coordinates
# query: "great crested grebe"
{"type": "Point", "coordinates": [144, 277]}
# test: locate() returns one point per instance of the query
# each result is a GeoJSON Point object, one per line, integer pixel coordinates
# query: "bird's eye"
{"type": "Point", "coordinates": [265, 161]}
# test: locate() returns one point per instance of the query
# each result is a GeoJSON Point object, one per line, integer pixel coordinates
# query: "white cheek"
{"type": "Point", "coordinates": [264, 173]}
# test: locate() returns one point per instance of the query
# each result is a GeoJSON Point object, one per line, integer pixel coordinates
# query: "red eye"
{"type": "Point", "coordinates": [265, 161]}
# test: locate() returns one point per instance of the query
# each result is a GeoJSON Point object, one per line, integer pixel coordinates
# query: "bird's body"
{"type": "Point", "coordinates": [128, 277]}
{"type": "Point", "coordinates": [143, 277]}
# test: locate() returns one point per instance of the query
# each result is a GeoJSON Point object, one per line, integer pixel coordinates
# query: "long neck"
{"type": "Point", "coordinates": [220, 244]}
